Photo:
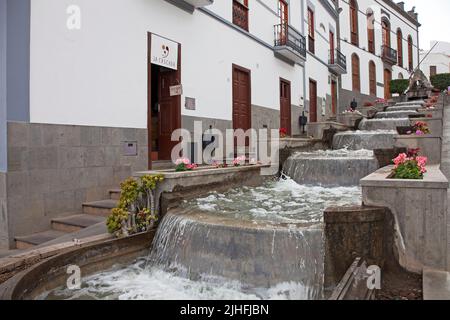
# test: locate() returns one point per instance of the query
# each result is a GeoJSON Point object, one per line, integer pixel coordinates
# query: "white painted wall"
{"type": "Point", "coordinates": [440, 60]}
{"type": "Point", "coordinates": [98, 75]}
{"type": "Point", "coordinates": [396, 21]}
{"type": "Point", "coordinates": [317, 64]}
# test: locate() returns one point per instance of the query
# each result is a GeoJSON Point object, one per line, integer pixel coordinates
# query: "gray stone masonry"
{"type": "Point", "coordinates": [53, 169]}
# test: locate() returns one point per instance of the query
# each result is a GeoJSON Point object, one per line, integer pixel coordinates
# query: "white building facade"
{"type": "Point", "coordinates": [381, 42]}
{"type": "Point", "coordinates": [437, 60]}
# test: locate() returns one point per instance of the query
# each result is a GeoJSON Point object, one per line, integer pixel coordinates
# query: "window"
{"type": "Point", "coordinates": [433, 71]}
{"type": "Point", "coordinates": [400, 76]}
{"type": "Point", "coordinates": [240, 13]}
{"type": "Point", "coordinates": [356, 81]}
{"type": "Point", "coordinates": [371, 31]}
{"type": "Point", "coordinates": [354, 22]}
{"type": "Point", "coordinates": [400, 47]}
{"type": "Point", "coordinates": [410, 53]}
{"type": "Point", "coordinates": [283, 13]}
{"type": "Point", "coordinates": [311, 33]}
{"type": "Point", "coordinates": [372, 78]}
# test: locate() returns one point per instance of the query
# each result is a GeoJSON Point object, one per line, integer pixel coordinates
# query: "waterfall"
{"type": "Point", "coordinates": [201, 245]}
{"type": "Point", "coordinates": [383, 124]}
{"type": "Point", "coordinates": [369, 140]}
{"type": "Point", "coordinates": [331, 168]}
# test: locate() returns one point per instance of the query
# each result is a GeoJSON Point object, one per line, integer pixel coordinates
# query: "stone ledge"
{"type": "Point", "coordinates": [433, 178]}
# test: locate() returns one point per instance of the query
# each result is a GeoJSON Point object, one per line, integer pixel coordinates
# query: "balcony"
{"type": "Point", "coordinates": [190, 5]}
{"type": "Point", "coordinates": [337, 62]}
{"type": "Point", "coordinates": [388, 55]}
{"type": "Point", "coordinates": [289, 44]}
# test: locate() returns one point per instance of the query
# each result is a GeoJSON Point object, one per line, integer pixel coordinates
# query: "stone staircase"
{"type": "Point", "coordinates": [92, 213]}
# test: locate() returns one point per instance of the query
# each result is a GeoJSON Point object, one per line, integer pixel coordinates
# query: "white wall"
{"type": "Point", "coordinates": [98, 75]}
{"type": "Point", "coordinates": [317, 64]}
{"type": "Point", "coordinates": [396, 21]}
{"type": "Point", "coordinates": [439, 60]}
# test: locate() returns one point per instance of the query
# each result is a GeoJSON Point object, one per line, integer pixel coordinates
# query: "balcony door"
{"type": "Point", "coordinates": [285, 105]}
{"type": "Point", "coordinates": [283, 12]}
{"type": "Point", "coordinates": [386, 33]}
{"type": "Point", "coordinates": [333, 97]}
{"type": "Point", "coordinates": [331, 47]}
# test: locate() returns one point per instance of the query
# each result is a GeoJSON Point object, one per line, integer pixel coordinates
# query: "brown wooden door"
{"type": "Point", "coordinates": [333, 97]}
{"type": "Point", "coordinates": [312, 101]}
{"type": "Point", "coordinates": [285, 105]}
{"type": "Point", "coordinates": [387, 83]}
{"type": "Point", "coordinates": [169, 113]}
{"type": "Point", "coordinates": [241, 98]}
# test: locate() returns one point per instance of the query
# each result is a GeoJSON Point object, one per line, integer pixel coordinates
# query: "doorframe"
{"type": "Point", "coordinates": [290, 104]}
{"type": "Point", "coordinates": [249, 72]}
{"type": "Point", "coordinates": [315, 84]}
{"type": "Point", "coordinates": [149, 93]}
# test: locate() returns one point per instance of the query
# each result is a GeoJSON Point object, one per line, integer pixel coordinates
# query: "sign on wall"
{"type": "Point", "coordinates": [164, 52]}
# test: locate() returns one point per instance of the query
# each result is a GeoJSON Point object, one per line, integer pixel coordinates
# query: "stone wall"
{"type": "Point", "coordinates": [3, 213]}
{"type": "Point", "coordinates": [53, 169]}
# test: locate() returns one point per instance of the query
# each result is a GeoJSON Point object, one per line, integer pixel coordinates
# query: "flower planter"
{"type": "Point", "coordinates": [405, 130]}
{"type": "Point", "coordinates": [431, 113]}
{"type": "Point", "coordinates": [434, 125]}
{"type": "Point", "coordinates": [419, 208]}
{"type": "Point", "coordinates": [208, 178]}
{"type": "Point", "coordinates": [429, 145]}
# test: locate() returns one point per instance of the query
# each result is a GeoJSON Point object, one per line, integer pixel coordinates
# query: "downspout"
{"type": "Point", "coordinates": [304, 66]}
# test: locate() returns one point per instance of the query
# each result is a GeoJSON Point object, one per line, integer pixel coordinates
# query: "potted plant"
{"type": "Point", "coordinates": [283, 132]}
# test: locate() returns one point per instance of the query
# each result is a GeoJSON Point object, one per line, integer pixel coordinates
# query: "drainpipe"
{"type": "Point", "coordinates": [304, 67]}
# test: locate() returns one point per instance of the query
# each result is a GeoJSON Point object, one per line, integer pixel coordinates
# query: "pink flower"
{"type": "Point", "coordinates": [421, 161]}
{"type": "Point", "coordinates": [191, 166]}
{"type": "Point", "coordinates": [401, 158]}
{"type": "Point", "coordinates": [419, 133]}
{"type": "Point", "coordinates": [184, 161]}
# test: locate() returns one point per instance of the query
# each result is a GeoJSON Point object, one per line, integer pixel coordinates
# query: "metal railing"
{"type": "Point", "coordinates": [285, 35]}
{"type": "Point", "coordinates": [337, 58]}
{"type": "Point", "coordinates": [389, 54]}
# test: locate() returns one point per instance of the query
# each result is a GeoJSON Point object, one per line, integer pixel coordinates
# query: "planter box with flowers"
{"type": "Point", "coordinates": [416, 194]}
{"type": "Point", "coordinates": [190, 176]}
{"type": "Point", "coordinates": [349, 117]}
{"type": "Point", "coordinates": [420, 137]}
{"type": "Point", "coordinates": [435, 125]}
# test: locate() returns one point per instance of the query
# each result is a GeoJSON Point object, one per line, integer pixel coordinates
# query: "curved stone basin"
{"type": "Point", "coordinates": [337, 168]}
{"type": "Point", "coordinates": [395, 114]}
{"type": "Point", "coordinates": [368, 140]}
{"type": "Point", "coordinates": [412, 107]}
{"type": "Point", "coordinates": [384, 124]}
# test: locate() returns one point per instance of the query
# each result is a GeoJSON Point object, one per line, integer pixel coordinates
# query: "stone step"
{"type": "Point", "coordinates": [99, 208]}
{"type": "Point", "coordinates": [76, 222]}
{"type": "Point", "coordinates": [26, 242]}
{"type": "Point", "coordinates": [436, 284]}
{"type": "Point", "coordinates": [114, 194]}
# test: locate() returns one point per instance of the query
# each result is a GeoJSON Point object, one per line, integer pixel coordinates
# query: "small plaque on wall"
{"type": "Point", "coordinates": [130, 148]}
{"type": "Point", "coordinates": [190, 103]}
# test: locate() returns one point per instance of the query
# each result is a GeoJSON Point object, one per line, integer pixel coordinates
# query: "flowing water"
{"type": "Point", "coordinates": [368, 140]}
{"type": "Point", "coordinates": [249, 243]}
{"type": "Point", "coordinates": [384, 124]}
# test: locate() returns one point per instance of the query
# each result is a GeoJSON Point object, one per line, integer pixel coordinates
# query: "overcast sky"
{"type": "Point", "coordinates": [434, 15]}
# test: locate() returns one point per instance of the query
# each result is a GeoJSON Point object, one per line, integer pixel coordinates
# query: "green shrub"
{"type": "Point", "coordinates": [399, 86]}
{"type": "Point", "coordinates": [441, 81]}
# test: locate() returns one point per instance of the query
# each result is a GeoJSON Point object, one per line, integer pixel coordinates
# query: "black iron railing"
{"type": "Point", "coordinates": [388, 54]}
{"type": "Point", "coordinates": [337, 58]}
{"type": "Point", "coordinates": [285, 35]}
